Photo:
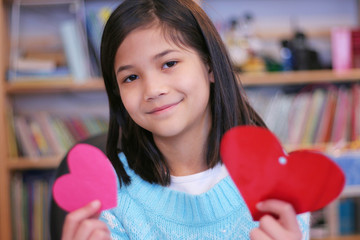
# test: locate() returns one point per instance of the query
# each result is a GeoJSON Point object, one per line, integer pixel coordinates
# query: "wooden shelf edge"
{"type": "Point", "coordinates": [350, 237]}
{"type": "Point", "coordinates": [34, 163]}
{"type": "Point", "coordinates": [350, 191]}
{"type": "Point", "coordinates": [247, 79]}
{"type": "Point", "coordinates": [299, 77]}
{"type": "Point", "coordinates": [334, 149]}
{"type": "Point", "coordinates": [54, 85]}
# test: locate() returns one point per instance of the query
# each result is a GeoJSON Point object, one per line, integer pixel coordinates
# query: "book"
{"type": "Point", "coordinates": [357, 215]}
{"type": "Point", "coordinates": [339, 134]}
{"type": "Point", "coordinates": [355, 113]}
{"type": "Point", "coordinates": [76, 51]}
{"type": "Point", "coordinates": [346, 216]}
{"type": "Point", "coordinates": [12, 144]}
{"type": "Point", "coordinates": [315, 109]}
{"type": "Point", "coordinates": [341, 49]}
{"type": "Point", "coordinates": [298, 116]}
{"type": "Point", "coordinates": [16, 187]}
{"type": "Point", "coordinates": [345, 46]}
{"type": "Point", "coordinates": [24, 137]}
{"type": "Point", "coordinates": [355, 47]}
{"type": "Point", "coordinates": [326, 120]}
{"type": "Point", "coordinates": [41, 142]}
{"type": "Point", "coordinates": [95, 21]}
{"type": "Point", "coordinates": [280, 113]}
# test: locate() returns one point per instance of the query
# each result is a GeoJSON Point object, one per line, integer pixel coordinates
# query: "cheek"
{"type": "Point", "coordinates": [128, 100]}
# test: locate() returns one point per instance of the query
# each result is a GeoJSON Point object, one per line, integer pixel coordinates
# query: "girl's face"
{"type": "Point", "coordinates": [165, 88]}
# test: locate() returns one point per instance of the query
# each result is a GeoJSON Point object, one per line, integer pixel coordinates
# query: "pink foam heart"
{"type": "Point", "coordinates": [91, 177]}
{"type": "Point", "coordinates": [262, 170]}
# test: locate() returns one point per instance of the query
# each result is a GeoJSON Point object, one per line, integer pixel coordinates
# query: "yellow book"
{"type": "Point", "coordinates": [13, 148]}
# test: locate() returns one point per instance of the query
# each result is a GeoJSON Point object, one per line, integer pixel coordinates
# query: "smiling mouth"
{"type": "Point", "coordinates": [164, 107]}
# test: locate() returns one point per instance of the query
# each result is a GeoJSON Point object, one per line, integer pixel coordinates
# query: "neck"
{"type": "Point", "coordinates": [185, 154]}
{"type": "Point", "coordinates": [185, 159]}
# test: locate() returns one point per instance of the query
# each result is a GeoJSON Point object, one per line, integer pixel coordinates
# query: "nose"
{"type": "Point", "coordinates": [154, 86]}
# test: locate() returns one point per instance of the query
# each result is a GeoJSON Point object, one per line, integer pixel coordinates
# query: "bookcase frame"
{"type": "Point", "coordinates": [9, 165]}
{"type": "Point", "coordinates": [5, 222]}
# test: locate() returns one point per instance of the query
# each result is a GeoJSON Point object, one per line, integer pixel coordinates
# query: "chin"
{"type": "Point", "coordinates": [168, 133]}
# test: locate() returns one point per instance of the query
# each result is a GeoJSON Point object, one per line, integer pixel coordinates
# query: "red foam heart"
{"type": "Point", "coordinates": [262, 170]}
{"type": "Point", "coordinates": [91, 177]}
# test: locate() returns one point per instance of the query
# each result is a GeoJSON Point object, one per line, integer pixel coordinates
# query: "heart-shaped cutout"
{"type": "Point", "coordinates": [261, 170]}
{"type": "Point", "coordinates": [91, 177]}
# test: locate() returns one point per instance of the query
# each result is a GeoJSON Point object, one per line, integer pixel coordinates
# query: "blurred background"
{"type": "Point", "coordinates": [299, 62]}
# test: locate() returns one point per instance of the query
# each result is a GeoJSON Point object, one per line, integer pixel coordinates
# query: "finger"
{"type": "Point", "coordinates": [74, 218]}
{"type": "Point", "coordinates": [97, 215]}
{"type": "Point", "coordinates": [258, 234]}
{"type": "Point", "coordinates": [284, 210]}
{"type": "Point", "coordinates": [88, 227]}
{"type": "Point", "coordinates": [100, 235]}
{"type": "Point", "coordinates": [271, 227]}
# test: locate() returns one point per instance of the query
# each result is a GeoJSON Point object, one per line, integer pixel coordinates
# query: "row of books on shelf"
{"type": "Point", "coordinates": [315, 116]}
{"type": "Point", "coordinates": [46, 134]}
{"type": "Point", "coordinates": [349, 216]}
{"type": "Point", "coordinates": [30, 198]}
{"type": "Point", "coordinates": [348, 213]}
{"type": "Point", "coordinates": [347, 208]}
{"type": "Point", "coordinates": [312, 116]}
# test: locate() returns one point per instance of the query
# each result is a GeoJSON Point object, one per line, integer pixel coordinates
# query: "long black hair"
{"type": "Point", "coordinates": [187, 25]}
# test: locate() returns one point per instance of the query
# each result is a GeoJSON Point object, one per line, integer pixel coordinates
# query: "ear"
{"type": "Point", "coordinates": [211, 74]}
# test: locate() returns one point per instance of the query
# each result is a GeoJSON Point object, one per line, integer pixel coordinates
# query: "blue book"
{"type": "Point", "coordinates": [76, 51]}
{"type": "Point", "coordinates": [347, 216]}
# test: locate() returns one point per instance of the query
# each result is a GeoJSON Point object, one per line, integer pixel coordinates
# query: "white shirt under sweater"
{"type": "Point", "coordinates": [199, 183]}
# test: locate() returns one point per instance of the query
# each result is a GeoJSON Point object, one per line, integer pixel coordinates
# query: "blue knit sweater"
{"type": "Point", "coordinates": [150, 211]}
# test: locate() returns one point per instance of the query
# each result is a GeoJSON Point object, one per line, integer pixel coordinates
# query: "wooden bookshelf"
{"type": "Point", "coordinates": [5, 223]}
{"type": "Point", "coordinates": [67, 84]}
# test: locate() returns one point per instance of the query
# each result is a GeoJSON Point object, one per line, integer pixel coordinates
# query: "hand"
{"type": "Point", "coordinates": [84, 224]}
{"type": "Point", "coordinates": [285, 227]}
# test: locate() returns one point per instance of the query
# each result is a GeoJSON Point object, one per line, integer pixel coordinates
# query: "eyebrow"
{"type": "Point", "coordinates": [157, 56]}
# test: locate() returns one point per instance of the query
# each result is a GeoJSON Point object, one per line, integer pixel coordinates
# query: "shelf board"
{"type": "Point", "coordinates": [350, 191]}
{"type": "Point", "coordinates": [34, 163]}
{"type": "Point", "coordinates": [54, 85]}
{"type": "Point", "coordinates": [349, 237]}
{"type": "Point", "coordinates": [299, 77]}
{"type": "Point", "coordinates": [247, 79]}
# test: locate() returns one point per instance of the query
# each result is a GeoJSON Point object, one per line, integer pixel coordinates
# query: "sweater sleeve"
{"type": "Point", "coordinates": [304, 224]}
{"type": "Point", "coordinates": [116, 228]}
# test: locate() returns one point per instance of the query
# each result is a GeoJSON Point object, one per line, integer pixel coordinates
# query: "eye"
{"type": "Point", "coordinates": [170, 64]}
{"type": "Point", "coordinates": [131, 78]}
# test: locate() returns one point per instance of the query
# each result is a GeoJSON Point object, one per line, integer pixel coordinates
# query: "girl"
{"type": "Point", "coordinates": [172, 94]}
